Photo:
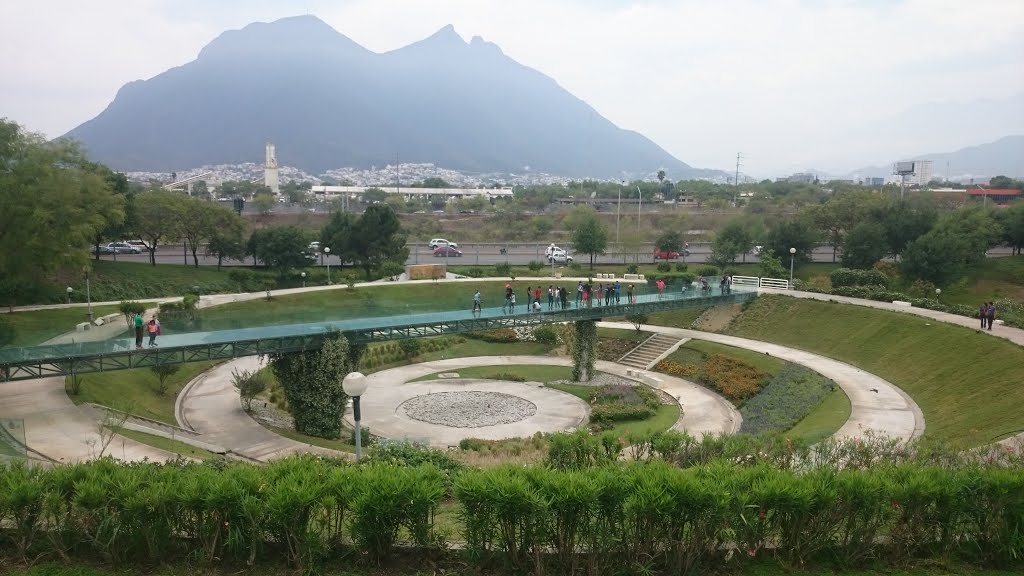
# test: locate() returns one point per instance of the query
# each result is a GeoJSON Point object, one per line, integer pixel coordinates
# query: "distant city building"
{"type": "Point", "coordinates": [873, 181]}
{"type": "Point", "coordinates": [450, 193]}
{"type": "Point", "coordinates": [270, 174]}
{"type": "Point", "coordinates": [803, 178]}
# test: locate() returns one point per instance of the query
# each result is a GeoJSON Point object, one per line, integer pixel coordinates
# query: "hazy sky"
{"type": "Point", "coordinates": [828, 84]}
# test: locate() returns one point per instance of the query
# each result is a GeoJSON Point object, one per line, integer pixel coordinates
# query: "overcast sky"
{"type": "Point", "coordinates": [826, 84]}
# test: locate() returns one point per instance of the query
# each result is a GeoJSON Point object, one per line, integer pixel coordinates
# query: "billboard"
{"type": "Point", "coordinates": [903, 168]}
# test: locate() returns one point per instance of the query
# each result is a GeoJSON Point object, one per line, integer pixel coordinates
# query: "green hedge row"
{"type": "Point", "coordinates": [1009, 312]}
{"type": "Point", "coordinates": [855, 277]}
{"type": "Point", "coordinates": [647, 516]}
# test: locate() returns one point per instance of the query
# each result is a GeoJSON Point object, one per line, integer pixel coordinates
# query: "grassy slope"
{"type": "Point", "coordinates": [825, 419]}
{"type": "Point", "coordinates": [38, 326]}
{"type": "Point", "coordinates": [967, 384]}
{"type": "Point", "coordinates": [133, 390]}
{"type": "Point", "coordinates": [990, 279]}
{"type": "Point", "coordinates": [172, 446]}
{"type": "Point", "coordinates": [768, 364]}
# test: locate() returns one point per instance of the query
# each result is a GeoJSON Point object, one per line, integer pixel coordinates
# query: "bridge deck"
{"type": "Point", "coordinates": [176, 348]}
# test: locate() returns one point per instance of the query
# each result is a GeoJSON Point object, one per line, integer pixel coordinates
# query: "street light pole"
{"type": "Point", "coordinates": [792, 256]}
{"type": "Point", "coordinates": [69, 291]}
{"type": "Point", "coordinates": [327, 253]}
{"type": "Point", "coordinates": [88, 295]}
{"type": "Point", "coordinates": [303, 279]}
{"type": "Point", "coordinates": [354, 384]}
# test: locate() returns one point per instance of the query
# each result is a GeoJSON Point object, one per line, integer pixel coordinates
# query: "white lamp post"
{"type": "Point", "coordinates": [70, 290]}
{"type": "Point", "coordinates": [303, 279]}
{"type": "Point", "coordinates": [792, 255]}
{"type": "Point", "coordinates": [327, 252]}
{"type": "Point", "coordinates": [937, 292]}
{"type": "Point", "coordinates": [354, 385]}
{"type": "Point", "coordinates": [88, 295]}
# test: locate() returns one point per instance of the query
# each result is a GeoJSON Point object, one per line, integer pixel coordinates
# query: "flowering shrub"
{"type": "Point", "coordinates": [619, 402]}
{"type": "Point", "coordinates": [733, 379]}
{"type": "Point", "coordinates": [500, 336]}
{"type": "Point", "coordinates": [789, 396]}
{"type": "Point", "coordinates": [678, 369]}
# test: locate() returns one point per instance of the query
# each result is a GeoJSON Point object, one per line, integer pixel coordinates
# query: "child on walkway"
{"type": "Point", "coordinates": [154, 330]}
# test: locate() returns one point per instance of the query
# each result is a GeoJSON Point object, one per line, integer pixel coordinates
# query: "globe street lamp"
{"type": "Point", "coordinates": [303, 279]}
{"type": "Point", "coordinates": [937, 292]}
{"type": "Point", "coordinates": [354, 384]}
{"type": "Point", "coordinates": [327, 251]}
{"type": "Point", "coordinates": [792, 255]}
{"type": "Point", "coordinates": [70, 290]}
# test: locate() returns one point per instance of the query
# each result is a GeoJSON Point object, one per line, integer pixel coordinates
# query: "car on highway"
{"type": "Point", "coordinates": [447, 251]}
{"type": "Point", "coordinates": [559, 258]}
{"type": "Point", "coordinates": [438, 242]}
{"type": "Point", "coordinates": [119, 248]}
{"type": "Point", "coordinates": [552, 249]}
{"type": "Point", "coordinates": [142, 245]}
{"type": "Point", "coordinates": [314, 246]}
{"type": "Point", "coordinates": [665, 254]}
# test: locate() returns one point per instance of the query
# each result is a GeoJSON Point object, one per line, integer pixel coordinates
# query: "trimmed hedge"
{"type": "Point", "coordinates": [612, 519]}
{"type": "Point", "coordinates": [853, 277]}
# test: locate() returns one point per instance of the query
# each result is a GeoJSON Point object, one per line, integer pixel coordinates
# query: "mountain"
{"type": "Point", "coordinates": [1002, 157]}
{"type": "Point", "coordinates": [327, 102]}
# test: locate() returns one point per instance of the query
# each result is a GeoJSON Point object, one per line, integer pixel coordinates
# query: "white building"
{"type": "Point", "coordinates": [450, 193]}
{"type": "Point", "coordinates": [922, 173]}
{"type": "Point", "coordinates": [270, 174]}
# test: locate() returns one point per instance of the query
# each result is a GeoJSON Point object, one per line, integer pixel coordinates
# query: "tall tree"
{"type": "Point", "coordinates": [377, 238]}
{"type": "Point", "coordinates": [53, 203]}
{"type": "Point", "coordinates": [227, 239]}
{"type": "Point", "coordinates": [736, 235]}
{"type": "Point", "coordinates": [670, 241]}
{"type": "Point", "coordinates": [796, 233]}
{"type": "Point", "coordinates": [590, 237]}
{"type": "Point", "coordinates": [1012, 221]}
{"type": "Point", "coordinates": [201, 222]}
{"type": "Point", "coordinates": [312, 385]}
{"type": "Point", "coordinates": [864, 245]}
{"type": "Point", "coordinates": [281, 248]}
{"type": "Point", "coordinates": [158, 218]}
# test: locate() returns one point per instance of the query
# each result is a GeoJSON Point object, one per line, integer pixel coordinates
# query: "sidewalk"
{"type": "Point", "coordinates": [875, 404]}
{"type": "Point", "coordinates": [210, 405]}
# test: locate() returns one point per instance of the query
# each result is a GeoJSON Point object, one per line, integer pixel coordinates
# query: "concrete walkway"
{"type": "Point", "coordinates": [210, 405]}
{"type": "Point", "coordinates": [704, 412]}
{"type": "Point", "coordinates": [875, 404]}
{"type": "Point", "coordinates": [58, 430]}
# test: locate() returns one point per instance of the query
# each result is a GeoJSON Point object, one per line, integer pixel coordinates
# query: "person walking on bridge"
{"type": "Point", "coordinates": [154, 330]}
{"type": "Point", "coordinates": [476, 303]}
{"type": "Point", "coordinates": [138, 330]}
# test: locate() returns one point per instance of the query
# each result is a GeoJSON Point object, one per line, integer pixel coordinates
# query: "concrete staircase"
{"type": "Point", "coordinates": [651, 351]}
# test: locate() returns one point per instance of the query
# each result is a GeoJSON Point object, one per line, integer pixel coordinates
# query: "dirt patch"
{"type": "Point", "coordinates": [717, 319]}
{"type": "Point", "coordinates": [611, 349]}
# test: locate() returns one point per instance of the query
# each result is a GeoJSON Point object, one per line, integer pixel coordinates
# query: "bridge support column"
{"type": "Point", "coordinates": [584, 350]}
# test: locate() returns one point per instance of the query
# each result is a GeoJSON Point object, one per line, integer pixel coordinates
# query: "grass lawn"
{"type": "Point", "coordinates": [172, 446]}
{"type": "Point", "coordinates": [825, 419]}
{"type": "Point", "coordinates": [38, 326]}
{"type": "Point", "coordinates": [968, 384]}
{"type": "Point", "coordinates": [340, 445]}
{"type": "Point", "coordinates": [134, 390]}
{"type": "Point", "coordinates": [447, 519]}
{"type": "Point", "coordinates": [531, 372]}
{"type": "Point", "coordinates": [473, 347]}
{"type": "Point", "coordinates": [764, 363]}
{"type": "Point", "coordinates": [629, 335]}
{"type": "Point", "coordinates": [990, 279]}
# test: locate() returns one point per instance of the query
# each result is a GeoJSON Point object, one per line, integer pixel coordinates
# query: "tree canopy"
{"type": "Point", "coordinates": [589, 236]}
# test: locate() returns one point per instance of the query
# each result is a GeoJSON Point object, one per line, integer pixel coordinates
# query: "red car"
{"type": "Point", "coordinates": [446, 251]}
{"type": "Point", "coordinates": [663, 255]}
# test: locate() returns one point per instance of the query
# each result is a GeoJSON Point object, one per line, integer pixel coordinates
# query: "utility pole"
{"type": "Point", "coordinates": [735, 196]}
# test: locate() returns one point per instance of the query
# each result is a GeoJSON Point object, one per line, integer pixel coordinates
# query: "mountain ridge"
{"type": "Point", "coordinates": [326, 102]}
{"type": "Point", "coordinates": [1004, 156]}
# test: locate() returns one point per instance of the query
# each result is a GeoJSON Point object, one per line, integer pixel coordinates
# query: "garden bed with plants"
{"type": "Point", "coordinates": [772, 395]}
{"type": "Point", "coordinates": [688, 506]}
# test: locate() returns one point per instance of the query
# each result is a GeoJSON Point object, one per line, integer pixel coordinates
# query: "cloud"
{"type": "Point", "coordinates": [780, 80]}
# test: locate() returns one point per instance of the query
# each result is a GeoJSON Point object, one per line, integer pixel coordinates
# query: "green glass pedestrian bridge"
{"type": "Point", "coordinates": [226, 336]}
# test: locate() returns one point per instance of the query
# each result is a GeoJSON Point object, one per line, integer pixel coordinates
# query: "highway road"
{"type": "Point", "coordinates": [486, 255]}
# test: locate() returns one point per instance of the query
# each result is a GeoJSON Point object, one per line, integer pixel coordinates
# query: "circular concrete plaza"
{"type": "Point", "coordinates": [444, 412]}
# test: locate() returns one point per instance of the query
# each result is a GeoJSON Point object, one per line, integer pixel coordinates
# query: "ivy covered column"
{"type": "Point", "coordinates": [312, 385]}
{"type": "Point", "coordinates": [584, 350]}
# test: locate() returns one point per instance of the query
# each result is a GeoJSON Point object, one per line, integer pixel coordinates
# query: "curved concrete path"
{"type": "Point", "coordinates": [210, 405]}
{"type": "Point", "coordinates": [875, 404]}
{"type": "Point", "coordinates": [703, 411]}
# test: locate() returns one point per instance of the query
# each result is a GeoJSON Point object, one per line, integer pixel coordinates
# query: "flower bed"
{"type": "Point", "coordinates": [789, 396]}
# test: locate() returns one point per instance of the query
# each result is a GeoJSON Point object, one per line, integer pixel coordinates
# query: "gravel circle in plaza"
{"type": "Point", "coordinates": [469, 409]}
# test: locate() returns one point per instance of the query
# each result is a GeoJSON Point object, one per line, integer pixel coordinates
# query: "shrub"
{"type": "Point", "coordinates": [678, 369]}
{"type": "Point", "coordinates": [637, 320]}
{"type": "Point", "coordinates": [535, 265]}
{"type": "Point", "coordinates": [503, 269]}
{"type": "Point", "coordinates": [707, 271]}
{"type": "Point", "coordinates": [681, 267]}
{"type": "Point", "coordinates": [850, 277]}
{"type": "Point", "coordinates": [501, 335]}
{"type": "Point", "coordinates": [130, 309]}
{"type": "Point", "coordinates": [616, 403]}
{"type": "Point", "coordinates": [410, 347]}
{"type": "Point", "coordinates": [664, 267]}
{"type": "Point", "coordinates": [575, 267]}
{"type": "Point", "coordinates": [250, 384]}
{"type": "Point", "coordinates": [506, 376]}
{"type": "Point", "coordinates": [733, 379]}
{"type": "Point", "coordinates": [545, 334]}
{"type": "Point", "coordinates": [163, 372]}
{"type": "Point", "coordinates": [632, 269]}
{"type": "Point", "coordinates": [474, 272]}
{"type": "Point", "coordinates": [245, 280]}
